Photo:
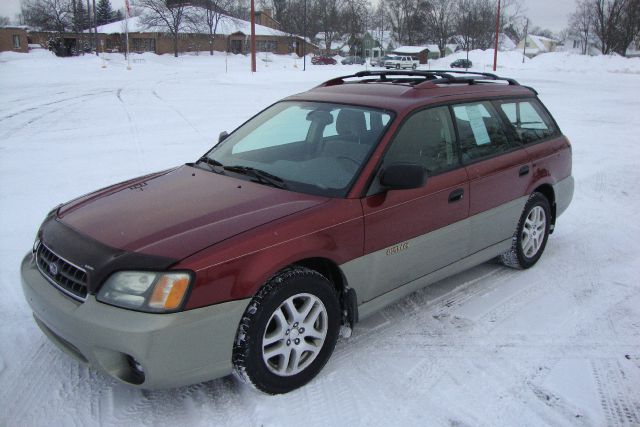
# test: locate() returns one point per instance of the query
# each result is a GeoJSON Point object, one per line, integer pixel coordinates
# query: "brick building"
{"type": "Point", "coordinates": [14, 38]}
{"type": "Point", "coordinates": [265, 18]}
{"type": "Point", "coordinates": [232, 35]}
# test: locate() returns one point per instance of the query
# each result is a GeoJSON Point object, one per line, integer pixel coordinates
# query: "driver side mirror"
{"type": "Point", "coordinates": [223, 135]}
{"type": "Point", "coordinates": [403, 176]}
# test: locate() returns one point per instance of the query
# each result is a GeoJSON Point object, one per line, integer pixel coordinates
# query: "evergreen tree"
{"type": "Point", "coordinates": [119, 15]}
{"type": "Point", "coordinates": [104, 12]}
{"type": "Point", "coordinates": [80, 17]}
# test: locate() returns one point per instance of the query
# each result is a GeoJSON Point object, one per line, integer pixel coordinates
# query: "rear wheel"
{"type": "Point", "coordinates": [414, 66]}
{"type": "Point", "coordinates": [288, 331]}
{"type": "Point", "coordinates": [531, 236]}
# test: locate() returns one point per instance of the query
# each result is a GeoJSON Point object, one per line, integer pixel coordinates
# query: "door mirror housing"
{"type": "Point", "coordinates": [403, 176]}
{"type": "Point", "coordinates": [223, 135]}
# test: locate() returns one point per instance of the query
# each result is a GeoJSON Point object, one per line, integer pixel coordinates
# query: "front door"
{"type": "Point", "coordinates": [411, 233]}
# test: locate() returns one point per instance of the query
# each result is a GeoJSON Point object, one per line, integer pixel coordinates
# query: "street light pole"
{"type": "Point", "coordinates": [495, 50]}
{"type": "Point", "coordinates": [524, 45]}
{"type": "Point", "coordinates": [304, 39]}
{"type": "Point", "coordinates": [253, 37]}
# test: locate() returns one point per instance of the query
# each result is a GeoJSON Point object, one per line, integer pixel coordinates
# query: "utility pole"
{"type": "Point", "coordinates": [75, 25]}
{"type": "Point", "coordinates": [495, 51]}
{"type": "Point", "coordinates": [88, 24]}
{"type": "Point", "coordinates": [304, 39]}
{"type": "Point", "coordinates": [467, 26]}
{"type": "Point", "coordinates": [95, 25]}
{"type": "Point", "coordinates": [253, 37]}
{"type": "Point", "coordinates": [524, 45]}
{"type": "Point", "coordinates": [127, 12]}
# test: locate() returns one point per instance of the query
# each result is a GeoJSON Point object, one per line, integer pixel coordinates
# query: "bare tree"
{"type": "Point", "coordinates": [354, 14]}
{"type": "Point", "coordinates": [207, 15]}
{"type": "Point", "coordinates": [629, 28]}
{"type": "Point", "coordinates": [407, 19]}
{"type": "Point", "coordinates": [440, 21]}
{"type": "Point", "coordinates": [609, 19]}
{"type": "Point", "coordinates": [542, 32]}
{"type": "Point", "coordinates": [475, 24]}
{"type": "Point", "coordinates": [516, 30]}
{"type": "Point", "coordinates": [329, 20]}
{"type": "Point", "coordinates": [48, 15]}
{"type": "Point", "coordinates": [580, 23]}
{"type": "Point", "coordinates": [513, 20]}
{"type": "Point", "coordinates": [166, 14]}
{"type": "Point", "coordinates": [4, 21]}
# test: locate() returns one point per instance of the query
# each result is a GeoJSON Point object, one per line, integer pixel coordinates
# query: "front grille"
{"type": "Point", "coordinates": [69, 278]}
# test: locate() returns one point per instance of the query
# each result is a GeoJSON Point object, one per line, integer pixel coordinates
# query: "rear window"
{"type": "Point", "coordinates": [529, 120]}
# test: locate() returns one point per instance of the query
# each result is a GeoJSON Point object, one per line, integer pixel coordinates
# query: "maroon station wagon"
{"type": "Point", "coordinates": [315, 213]}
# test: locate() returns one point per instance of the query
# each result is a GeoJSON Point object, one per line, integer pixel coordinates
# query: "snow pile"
{"type": "Point", "coordinates": [553, 61]}
{"type": "Point", "coordinates": [565, 61]}
{"type": "Point", "coordinates": [482, 59]}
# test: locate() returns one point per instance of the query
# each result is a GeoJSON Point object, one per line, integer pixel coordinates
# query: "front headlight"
{"type": "Point", "coordinates": [146, 291]}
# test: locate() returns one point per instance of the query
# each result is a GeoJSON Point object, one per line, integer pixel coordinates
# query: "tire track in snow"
{"type": "Point", "coordinates": [46, 104]}
{"type": "Point", "coordinates": [81, 99]}
{"type": "Point", "coordinates": [133, 128]}
{"type": "Point", "coordinates": [620, 405]}
{"type": "Point", "coordinates": [154, 92]}
{"type": "Point", "coordinates": [23, 383]}
{"type": "Point", "coordinates": [421, 305]}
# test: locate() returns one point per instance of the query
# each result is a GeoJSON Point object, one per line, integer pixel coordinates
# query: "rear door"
{"type": "Point", "coordinates": [410, 233]}
{"type": "Point", "coordinates": [535, 129]}
{"type": "Point", "coordinates": [499, 173]}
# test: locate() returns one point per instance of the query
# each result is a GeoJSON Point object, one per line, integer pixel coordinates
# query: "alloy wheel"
{"type": "Point", "coordinates": [295, 334]}
{"type": "Point", "coordinates": [533, 231]}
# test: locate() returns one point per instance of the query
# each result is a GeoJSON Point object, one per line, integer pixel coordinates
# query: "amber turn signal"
{"type": "Point", "coordinates": [169, 291]}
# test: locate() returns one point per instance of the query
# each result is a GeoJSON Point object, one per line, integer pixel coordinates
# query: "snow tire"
{"type": "Point", "coordinates": [248, 359]}
{"type": "Point", "coordinates": [516, 257]}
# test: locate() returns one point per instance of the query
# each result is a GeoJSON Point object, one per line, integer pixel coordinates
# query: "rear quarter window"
{"type": "Point", "coordinates": [528, 119]}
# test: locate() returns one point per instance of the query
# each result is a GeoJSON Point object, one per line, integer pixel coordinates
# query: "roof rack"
{"type": "Point", "coordinates": [421, 78]}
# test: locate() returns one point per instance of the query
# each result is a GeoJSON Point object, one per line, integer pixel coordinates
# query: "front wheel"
{"type": "Point", "coordinates": [531, 235]}
{"type": "Point", "coordinates": [288, 331]}
{"type": "Point", "coordinates": [414, 66]}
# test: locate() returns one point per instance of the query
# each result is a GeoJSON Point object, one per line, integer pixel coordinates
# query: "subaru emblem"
{"type": "Point", "coordinates": [53, 268]}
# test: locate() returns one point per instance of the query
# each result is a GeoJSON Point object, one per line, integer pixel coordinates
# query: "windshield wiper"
{"type": "Point", "coordinates": [211, 163]}
{"type": "Point", "coordinates": [259, 175]}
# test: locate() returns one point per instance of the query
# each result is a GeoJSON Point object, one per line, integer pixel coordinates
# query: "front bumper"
{"type": "Point", "coordinates": [173, 349]}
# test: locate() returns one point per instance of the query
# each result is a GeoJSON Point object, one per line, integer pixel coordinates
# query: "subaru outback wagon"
{"type": "Point", "coordinates": [315, 213]}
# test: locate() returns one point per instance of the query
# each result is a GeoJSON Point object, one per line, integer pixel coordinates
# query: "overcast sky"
{"type": "Point", "coordinates": [551, 14]}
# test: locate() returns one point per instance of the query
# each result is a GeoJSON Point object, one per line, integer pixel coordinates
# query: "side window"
{"type": "Point", "coordinates": [480, 131]}
{"type": "Point", "coordinates": [529, 120]}
{"type": "Point", "coordinates": [427, 138]}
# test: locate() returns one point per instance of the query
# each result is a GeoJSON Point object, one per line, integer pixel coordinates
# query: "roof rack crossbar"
{"type": "Point", "coordinates": [431, 77]}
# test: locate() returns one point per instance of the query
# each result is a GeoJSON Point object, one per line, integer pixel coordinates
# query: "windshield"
{"type": "Point", "coordinates": [310, 147]}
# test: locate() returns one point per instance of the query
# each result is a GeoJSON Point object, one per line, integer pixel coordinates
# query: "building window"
{"type": "Point", "coordinates": [267, 46]}
{"type": "Point", "coordinates": [16, 41]}
{"type": "Point", "coordinates": [143, 45]}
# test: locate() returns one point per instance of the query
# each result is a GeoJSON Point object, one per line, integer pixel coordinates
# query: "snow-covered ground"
{"type": "Point", "coordinates": [558, 344]}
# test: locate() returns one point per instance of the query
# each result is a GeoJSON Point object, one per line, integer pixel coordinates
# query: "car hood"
{"type": "Point", "coordinates": [179, 212]}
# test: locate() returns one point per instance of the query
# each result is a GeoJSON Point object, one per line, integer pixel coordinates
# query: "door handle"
{"type": "Point", "coordinates": [523, 171]}
{"type": "Point", "coordinates": [456, 195]}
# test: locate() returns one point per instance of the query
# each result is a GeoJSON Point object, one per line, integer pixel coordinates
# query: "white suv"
{"type": "Point", "coordinates": [399, 62]}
